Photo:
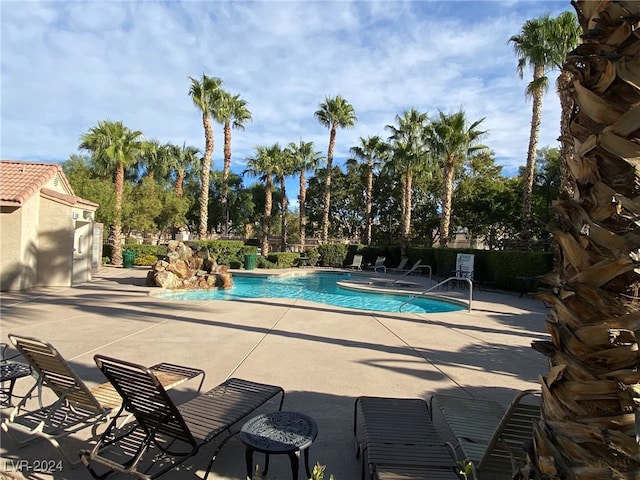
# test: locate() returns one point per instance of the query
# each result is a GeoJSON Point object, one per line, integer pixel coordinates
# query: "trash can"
{"type": "Point", "coordinates": [250, 260]}
{"type": "Point", "coordinates": [128, 258]}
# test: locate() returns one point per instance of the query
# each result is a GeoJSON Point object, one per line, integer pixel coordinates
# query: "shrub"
{"type": "Point", "coordinates": [332, 254]}
{"type": "Point", "coordinates": [313, 255]}
{"type": "Point", "coordinates": [283, 259]}
{"type": "Point", "coordinates": [145, 260]}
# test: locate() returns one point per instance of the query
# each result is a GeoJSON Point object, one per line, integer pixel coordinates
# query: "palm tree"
{"type": "Point", "coordinates": [334, 112]}
{"type": "Point", "coordinates": [283, 168]}
{"type": "Point", "coordinates": [232, 112]}
{"type": "Point", "coordinates": [205, 95]}
{"type": "Point", "coordinates": [264, 165]}
{"type": "Point", "coordinates": [304, 158]}
{"type": "Point", "coordinates": [180, 160]}
{"type": "Point", "coordinates": [371, 151]}
{"type": "Point", "coordinates": [542, 44]}
{"type": "Point", "coordinates": [590, 396]}
{"type": "Point", "coordinates": [154, 159]}
{"type": "Point", "coordinates": [409, 156]}
{"type": "Point", "coordinates": [453, 140]}
{"type": "Point", "coordinates": [114, 148]}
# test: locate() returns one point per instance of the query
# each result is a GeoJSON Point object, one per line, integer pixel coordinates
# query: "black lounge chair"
{"type": "Point", "coordinates": [10, 371]}
{"type": "Point", "coordinates": [76, 406]}
{"type": "Point", "coordinates": [485, 434]}
{"type": "Point", "coordinates": [169, 433]}
{"type": "Point", "coordinates": [399, 441]}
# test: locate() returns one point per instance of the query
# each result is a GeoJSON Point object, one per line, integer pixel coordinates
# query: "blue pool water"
{"type": "Point", "coordinates": [321, 288]}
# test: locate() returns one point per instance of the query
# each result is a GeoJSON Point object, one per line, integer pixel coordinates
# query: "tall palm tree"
{"type": "Point", "coordinates": [334, 112]}
{"type": "Point", "coordinates": [114, 148]}
{"type": "Point", "coordinates": [542, 44]}
{"type": "Point", "coordinates": [409, 155]}
{"type": "Point", "coordinates": [591, 395]}
{"type": "Point", "coordinates": [453, 140]}
{"type": "Point", "coordinates": [264, 165]}
{"type": "Point", "coordinates": [304, 158]}
{"type": "Point", "coordinates": [205, 94]}
{"type": "Point", "coordinates": [232, 112]}
{"type": "Point", "coordinates": [283, 168]}
{"type": "Point", "coordinates": [371, 151]}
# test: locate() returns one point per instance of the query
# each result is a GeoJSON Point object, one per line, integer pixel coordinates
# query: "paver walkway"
{"type": "Point", "coordinates": [322, 356]}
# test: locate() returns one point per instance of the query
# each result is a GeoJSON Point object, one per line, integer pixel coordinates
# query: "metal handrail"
{"type": "Point", "coordinates": [468, 280]}
{"type": "Point", "coordinates": [413, 270]}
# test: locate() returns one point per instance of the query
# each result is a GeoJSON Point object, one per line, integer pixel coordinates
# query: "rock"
{"type": "Point", "coordinates": [168, 280]}
{"type": "Point", "coordinates": [181, 268]}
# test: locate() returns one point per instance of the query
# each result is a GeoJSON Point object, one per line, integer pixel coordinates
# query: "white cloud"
{"type": "Point", "coordinates": [67, 65]}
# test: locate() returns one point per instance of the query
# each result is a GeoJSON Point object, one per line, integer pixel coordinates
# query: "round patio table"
{"type": "Point", "coordinates": [279, 433]}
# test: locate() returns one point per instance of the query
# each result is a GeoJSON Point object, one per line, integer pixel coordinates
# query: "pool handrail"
{"type": "Point", "coordinates": [447, 280]}
{"type": "Point", "coordinates": [413, 269]}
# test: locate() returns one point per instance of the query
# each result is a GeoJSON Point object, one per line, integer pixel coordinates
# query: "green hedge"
{"type": "Point", "coordinates": [284, 259]}
{"type": "Point", "coordinates": [333, 255]}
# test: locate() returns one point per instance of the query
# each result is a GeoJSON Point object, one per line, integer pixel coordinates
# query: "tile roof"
{"type": "Point", "coordinates": [19, 181]}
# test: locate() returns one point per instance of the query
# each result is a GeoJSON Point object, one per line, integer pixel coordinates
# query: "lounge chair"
{"type": "Point", "coordinates": [487, 435]}
{"type": "Point", "coordinates": [10, 371]}
{"type": "Point", "coordinates": [357, 262]}
{"type": "Point", "coordinates": [171, 434]}
{"type": "Point", "coordinates": [76, 406]}
{"type": "Point", "coordinates": [378, 265]}
{"type": "Point", "coordinates": [399, 440]}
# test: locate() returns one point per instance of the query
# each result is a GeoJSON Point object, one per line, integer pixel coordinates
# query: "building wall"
{"type": "Point", "coordinates": [55, 244]}
{"type": "Point", "coordinates": [19, 240]}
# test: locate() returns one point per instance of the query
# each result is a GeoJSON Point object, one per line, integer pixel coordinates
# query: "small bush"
{"type": "Point", "coordinates": [313, 255]}
{"type": "Point", "coordinates": [145, 260]}
{"type": "Point", "coordinates": [284, 259]}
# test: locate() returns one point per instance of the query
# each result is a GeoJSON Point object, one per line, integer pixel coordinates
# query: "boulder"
{"type": "Point", "coordinates": [184, 269]}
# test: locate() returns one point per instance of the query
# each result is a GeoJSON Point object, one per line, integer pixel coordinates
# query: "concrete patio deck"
{"type": "Point", "coordinates": [323, 356]}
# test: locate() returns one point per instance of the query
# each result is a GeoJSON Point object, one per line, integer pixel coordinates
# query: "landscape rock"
{"type": "Point", "coordinates": [184, 269]}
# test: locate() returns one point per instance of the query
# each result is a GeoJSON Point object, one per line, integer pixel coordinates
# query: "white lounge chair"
{"type": "Point", "coordinates": [379, 265]}
{"type": "Point", "coordinates": [357, 262]}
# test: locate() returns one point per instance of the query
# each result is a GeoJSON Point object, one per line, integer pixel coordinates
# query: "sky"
{"type": "Point", "coordinates": [66, 65]}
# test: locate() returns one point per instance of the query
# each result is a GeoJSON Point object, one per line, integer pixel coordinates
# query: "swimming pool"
{"type": "Point", "coordinates": [321, 288]}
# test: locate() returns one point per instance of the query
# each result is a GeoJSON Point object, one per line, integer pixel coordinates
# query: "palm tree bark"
{"type": "Point", "coordinates": [327, 184]}
{"type": "Point", "coordinates": [534, 135]}
{"type": "Point", "coordinates": [116, 254]}
{"type": "Point", "coordinates": [368, 205]}
{"type": "Point", "coordinates": [302, 198]}
{"type": "Point", "coordinates": [266, 224]}
{"type": "Point", "coordinates": [447, 196]}
{"type": "Point", "coordinates": [226, 167]}
{"type": "Point", "coordinates": [406, 212]}
{"type": "Point", "coordinates": [591, 394]}
{"type": "Point", "coordinates": [206, 173]}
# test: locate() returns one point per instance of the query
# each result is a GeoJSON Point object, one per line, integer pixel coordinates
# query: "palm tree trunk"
{"type": "Point", "coordinates": [530, 170]}
{"type": "Point", "coordinates": [591, 394]}
{"type": "Point", "coordinates": [116, 255]}
{"type": "Point", "coordinates": [447, 198]}
{"type": "Point", "coordinates": [406, 213]}
{"type": "Point", "coordinates": [369, 205]}
{"type": "Point", "coordinates": [224, 200]}
{"type": "Point", "coordinates": [566, 140]}
{"type": "Point", "coordinates": [266, 225]}
{"type": "Point", "coordinates": [284, 205]}
{"type": "Point", "coordinates": [206, 172]}
{"type": "Point", "coordinates": [327, 185]}
{"type": "Point", "coordinates": [179, 184]}
{"type": "Point", "coordinates": [302, 198]}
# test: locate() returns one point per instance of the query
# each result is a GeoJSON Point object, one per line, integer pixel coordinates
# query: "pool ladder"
{"type": "Point", "coordinates": [448, 280]}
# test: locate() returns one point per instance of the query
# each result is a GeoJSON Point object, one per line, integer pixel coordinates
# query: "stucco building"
{"type": "Point", "coordinates": [48, 236]}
